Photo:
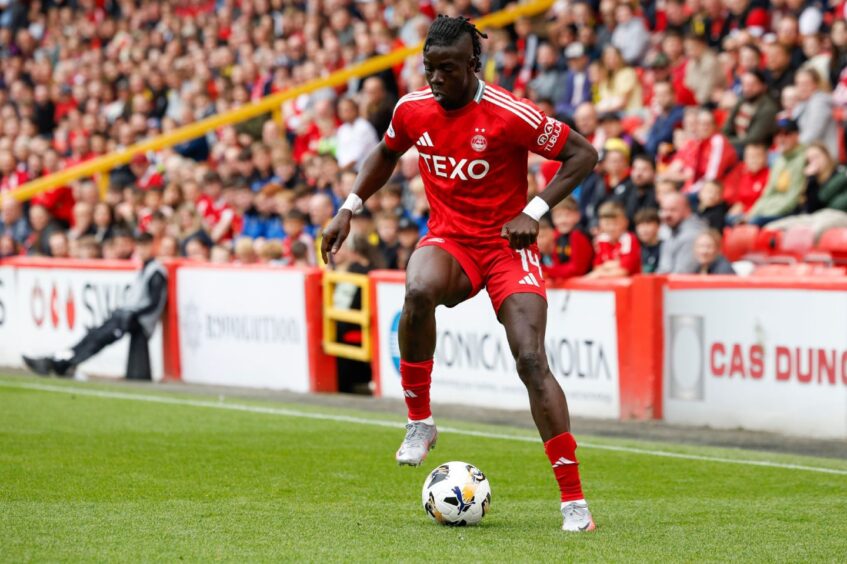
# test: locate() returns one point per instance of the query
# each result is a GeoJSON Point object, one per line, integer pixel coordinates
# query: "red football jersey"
{"type": "Point", "coordinates": [473, 160]}
{"type": "Point", "coordinates": [626, 250]}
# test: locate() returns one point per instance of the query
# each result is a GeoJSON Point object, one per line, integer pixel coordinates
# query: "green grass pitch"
{"type": "Point", "coordinates": [87, 478]}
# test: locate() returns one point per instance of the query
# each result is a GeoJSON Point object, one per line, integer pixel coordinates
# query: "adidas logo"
{"type": "Point", "coordinates": [409, 394]}
{"type": "Point", "coordinates": [530, 280]}
{"type": "Point", "coordinates": [563, 462]}
{"type": "Point", "coordinates": [425, 140]}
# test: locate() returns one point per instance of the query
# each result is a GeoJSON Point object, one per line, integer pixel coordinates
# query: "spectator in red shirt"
{"type": "Point", "coordinates": [570, 249]}
{"type": "Point", "coordinates": [746, 181]}
{"type": "Point", "coordinates": [617, 251]}
{"type": "Point", "coordinates": [709, 156]}
{"type": "Point", "coordinates": [217, 214]}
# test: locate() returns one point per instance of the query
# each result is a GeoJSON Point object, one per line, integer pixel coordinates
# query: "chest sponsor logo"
{"type": "Point", "coordinates": [461, 169]}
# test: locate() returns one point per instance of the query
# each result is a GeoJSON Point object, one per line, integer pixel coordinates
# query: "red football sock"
{"type": "Point", "coordinates": [561, 450]}
{"type": "Point", "coordinates": [415, 377]}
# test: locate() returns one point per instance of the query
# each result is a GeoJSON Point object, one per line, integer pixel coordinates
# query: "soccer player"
{"type": "Point", "coordinates": [473, 139]}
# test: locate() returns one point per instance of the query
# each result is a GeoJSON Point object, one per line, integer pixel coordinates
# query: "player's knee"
{"type": "Point", "coordinates": [419, 302]}
{"type": "Point", "coordinates": [531, 367]}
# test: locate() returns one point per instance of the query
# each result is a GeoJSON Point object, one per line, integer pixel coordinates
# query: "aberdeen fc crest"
{"type": "Point", "coordinates": [479, 142]}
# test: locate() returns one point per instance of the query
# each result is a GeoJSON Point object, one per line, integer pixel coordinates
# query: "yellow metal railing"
{"type": "Point", "coordinates": [269, 104]}
{"type": "Point", "coordinates": [333, 315]}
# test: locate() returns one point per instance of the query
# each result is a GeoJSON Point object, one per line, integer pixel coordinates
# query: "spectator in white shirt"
{"type": "Point", "coordinates": [355, 137]}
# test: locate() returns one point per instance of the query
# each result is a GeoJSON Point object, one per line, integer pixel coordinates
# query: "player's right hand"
{"type": "Point", "coordinates": [335, 234]}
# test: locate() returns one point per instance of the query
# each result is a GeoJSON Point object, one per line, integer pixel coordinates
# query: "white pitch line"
{"type": "Point", "coordinates": [398, 425]}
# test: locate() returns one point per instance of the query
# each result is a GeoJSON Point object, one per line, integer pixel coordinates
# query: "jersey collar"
{"type": "Point", "coordinates": [479, 92]}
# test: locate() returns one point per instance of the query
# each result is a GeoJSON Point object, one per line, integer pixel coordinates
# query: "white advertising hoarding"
{"type": "Point", "coordinates": [55, 307]}
{"type": "Point", "coordinates": [473, 364]}
{"type": "Point", "coordinates": [761, 359]}
{"type": "Point", "coordinates": [9, 336]}
{"type": "Point", "coordinates": [243, 327]}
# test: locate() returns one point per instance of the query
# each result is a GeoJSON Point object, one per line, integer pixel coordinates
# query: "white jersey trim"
{"type": "Point", "coordinates": [480, 90]}
{"type": "Point", "coordinates": [526, 110]}
{"type": "Point", "coordinates": [414, 97]}
{"type": "Point", "coordinates": [496, 102]}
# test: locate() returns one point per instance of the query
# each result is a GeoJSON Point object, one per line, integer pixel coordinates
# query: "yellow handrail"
{"type": "Point", "coordinates": [267, 104]}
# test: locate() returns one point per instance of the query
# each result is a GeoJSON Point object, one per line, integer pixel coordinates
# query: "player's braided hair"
{"type": "Point", "coordinates": [446, 31]}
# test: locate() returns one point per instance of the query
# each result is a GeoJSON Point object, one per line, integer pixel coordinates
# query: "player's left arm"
{"type": "Point", "coordinates": [578, 158]}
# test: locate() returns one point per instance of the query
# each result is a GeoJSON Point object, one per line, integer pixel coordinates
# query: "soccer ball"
{"type": "Point", "coordinates": [456, 493]}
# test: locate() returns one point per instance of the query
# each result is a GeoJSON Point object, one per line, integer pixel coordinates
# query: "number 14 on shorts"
{"type": "Point", "coordinates": [528, 260]}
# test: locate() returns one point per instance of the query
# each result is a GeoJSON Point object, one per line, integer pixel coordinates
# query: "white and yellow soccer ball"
{"type": "Point", "coordinates": [457, 494]}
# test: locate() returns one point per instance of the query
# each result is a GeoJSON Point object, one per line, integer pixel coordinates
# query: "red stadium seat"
{"type": "Point", "coordinates": [768, 241]}
{"type": "Point", "coordinates": [834, 241]}
{"type": "Point", "coordinates": [819, 258]}
{"type": "Point", "coordinates": [739, 240]}
{"type": "Point", "coordinates": [756, 258]}
{"type": "Point", "coordinates": [798, 241]}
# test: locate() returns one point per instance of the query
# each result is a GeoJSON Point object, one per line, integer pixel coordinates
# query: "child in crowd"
{"type": "Point", "coordinates": [712, 206]}
{"type": "Point", "coordinates": [388, 227]}
{"type": "Point", "coordinates": [617, 252]}
{"type": "Point", "coordinates": [408, 236]}
{"type": "Point", "coordinates": [295, 229]}
{"type": "Point", "coordinates": [571, 251]}
{"type": "Point", "coordinates": [647, 229]}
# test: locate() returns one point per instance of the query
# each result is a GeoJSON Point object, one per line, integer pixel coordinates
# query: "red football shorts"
{"type": "Point", "coordinates": [495, 266]}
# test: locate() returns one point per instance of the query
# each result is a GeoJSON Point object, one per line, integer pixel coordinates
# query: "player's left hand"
{"type": "Point", "coordinates": [521, 231]}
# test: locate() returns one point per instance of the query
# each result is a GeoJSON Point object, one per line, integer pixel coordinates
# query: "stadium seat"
{"type": "Point", "coordinates": [798, 241]}
{"type": "Point", "coordinates": [768, 241]}
{"type": "Point", "coordinates": [756, 258]}
{"type": "Point", "coordinates": [834, 241]}
{"type": "Point", "coordinates": [819, 258]}
{"type": "Point", "coordinates": [739, 240]}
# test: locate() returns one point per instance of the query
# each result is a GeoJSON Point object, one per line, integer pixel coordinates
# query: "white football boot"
{"type": "Point", "coordinates": [577, 518]}
{"type": "Point", "coordinates": [420, 438]}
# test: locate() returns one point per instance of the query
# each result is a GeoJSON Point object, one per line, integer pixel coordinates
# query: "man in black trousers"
{"type": "Point", "coordinates": [143, 305]}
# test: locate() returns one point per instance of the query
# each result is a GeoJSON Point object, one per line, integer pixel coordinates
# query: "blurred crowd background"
{"type": "Point", "coordinates": [708, 114]}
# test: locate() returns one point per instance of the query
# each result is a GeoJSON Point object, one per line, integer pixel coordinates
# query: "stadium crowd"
{"type": "Point", "coordinates": [707, 114]}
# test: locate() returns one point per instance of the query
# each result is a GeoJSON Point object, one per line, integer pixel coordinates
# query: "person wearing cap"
{"type": "Point", "coordinates": [577, 84]}
{"type": "Point", "coordinates": [787, 181]}
{"type": "Point", "coordinates": [753, 117]}
{"type": "Point", "coordinates": [144, 302]}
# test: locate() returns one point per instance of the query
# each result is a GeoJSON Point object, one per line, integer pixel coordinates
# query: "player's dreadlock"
{"type": "Point", "coordinates": [446, 31]}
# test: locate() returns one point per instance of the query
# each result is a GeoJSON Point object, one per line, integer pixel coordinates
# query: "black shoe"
{"type": "Point", "coordinates": [42, 366]}
{"type": "Point", "coordinates": [63, 368]}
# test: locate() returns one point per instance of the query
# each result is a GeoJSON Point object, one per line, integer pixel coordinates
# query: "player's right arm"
{"type": "Point", "coordinates": [375, 172]}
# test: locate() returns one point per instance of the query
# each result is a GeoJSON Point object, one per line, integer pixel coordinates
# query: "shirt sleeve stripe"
{"type": "Point", "coordinates": [524, 106]}
{"type": "Point", "coordinates": [531, 123]}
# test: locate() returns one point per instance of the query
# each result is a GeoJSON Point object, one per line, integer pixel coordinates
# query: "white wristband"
{"type": "Point", "coordinates": [353, 203]}
{"type": "Point", "coordinates": [536, 208]}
